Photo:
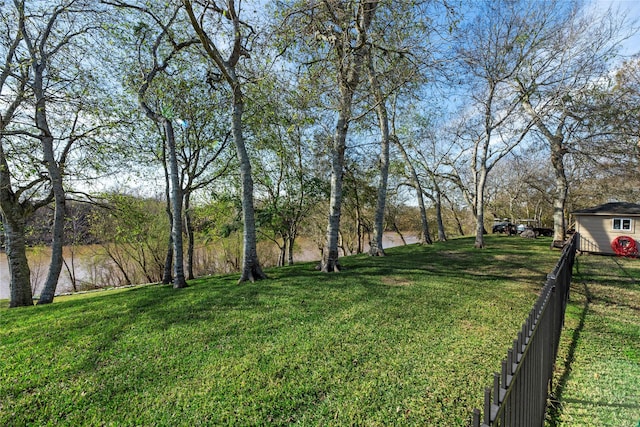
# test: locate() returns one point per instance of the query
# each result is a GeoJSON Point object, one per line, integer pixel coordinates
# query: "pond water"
{"type": "Point", "coordinates": [91, 270]}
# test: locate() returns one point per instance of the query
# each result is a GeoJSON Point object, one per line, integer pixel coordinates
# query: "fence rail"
{"type": "Point", "coordinates": [520, 390]}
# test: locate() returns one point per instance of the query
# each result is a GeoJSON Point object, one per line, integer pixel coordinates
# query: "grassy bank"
{"type": "Point", "coordinates": [598, 380]}
{"type": "Point", "coordinates": [409, 339]}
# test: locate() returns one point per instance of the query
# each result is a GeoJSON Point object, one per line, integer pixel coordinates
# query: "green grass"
{"type": "Point", "coordinates": [598, 380]}
{"type": "Point", "coordinates": [408, 339]}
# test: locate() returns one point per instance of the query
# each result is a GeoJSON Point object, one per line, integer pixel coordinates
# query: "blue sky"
{"type": "Point", "coordinates": [631, 8]}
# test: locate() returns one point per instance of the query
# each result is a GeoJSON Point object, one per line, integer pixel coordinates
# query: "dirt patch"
{"type": "Point", "coordinates": [395, 281]}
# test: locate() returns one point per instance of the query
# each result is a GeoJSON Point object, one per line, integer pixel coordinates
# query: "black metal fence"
{"type": "Point", "coordinates": [520, 391]}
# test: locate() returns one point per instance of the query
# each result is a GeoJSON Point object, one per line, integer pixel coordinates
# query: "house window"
{"type": "Point", "coordinates": [622, 224]}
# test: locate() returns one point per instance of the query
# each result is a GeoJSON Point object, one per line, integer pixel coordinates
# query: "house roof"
{"type": "Point", "coordinates": [614, 208]}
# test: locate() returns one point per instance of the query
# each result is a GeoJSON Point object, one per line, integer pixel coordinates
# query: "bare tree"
{"type": "Point", "coordinates": [215, 17]}
{"type": "Point", "coordinates": [404, 57]}
{"type": "Point", "coordinates": [494, 47]}
{"type": "Point", "coordinates": [557, 88]}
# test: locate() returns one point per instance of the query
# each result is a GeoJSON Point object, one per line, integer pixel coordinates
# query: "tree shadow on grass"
{"type": "Point", "coordinates": [626, 272]}
{"type": "Point", "coordinates": [449, 263]}
{"type": "Point", "coordinates": [555, 399]}
{"type": "Point", "coordinates": [602, 279]}
{"type": "Point", "coordinates": [165, 306]}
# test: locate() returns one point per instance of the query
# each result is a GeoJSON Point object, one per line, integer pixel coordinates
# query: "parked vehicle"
{"type": "Point", "coordinates": [504, 228]}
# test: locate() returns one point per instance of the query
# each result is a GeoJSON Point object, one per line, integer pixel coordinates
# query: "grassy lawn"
{"type": "Point", "coordinates": [409, 339]}
{"type": "Point", "coordinates": [598, 380]}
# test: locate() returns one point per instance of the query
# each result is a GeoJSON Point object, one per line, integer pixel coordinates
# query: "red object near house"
{"type": "Point", "coordinates": [624, 246]}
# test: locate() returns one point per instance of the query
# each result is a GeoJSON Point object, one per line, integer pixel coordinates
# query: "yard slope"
{"type": "Point", "coordinates": [407, 339]}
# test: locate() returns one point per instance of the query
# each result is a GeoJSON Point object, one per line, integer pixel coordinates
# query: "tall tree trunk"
{"type": "Point", "coordinates": [14, 216]}
{"type": "Point", "coordinates": [290, 244]}
{"type": "Point", "coordinates": [425, 235]}
{"type": "Point", "coordinates": [53, 275]}
{"type": "Point", "coordinates": [173, 188]}
{"type": "Point", "coordinates": [282, 252]}
{"type": "Point", "coordinates": [251, 269]}
{"type": "Point", "coordinates": [442, 235]}
{"type": "Point", "coordinates": [13, 212]}
{"type": "Point", "coordinates": [20, 294]}
{"type": "Point", "coordinates": [376, 248]}
{"type": "Point", "coordinates": [167, 273]}
{"type": "Point", "coordinates": [176, 207]}
{"type": "Point", "coordinates": [190, 235]}
{"type": "Point", "coordinates": [55, 178]}
{"type": "Point", "coordinates": [359, 227]}
{"type": "Point", "coordinates": [558, 151]}
{"type": "Point", "coordinates": [479, 208]}
{"type": "Point", "coordinates": [329, 261]}
{"type": "Point", "coordinates": [561, 191]}
{"type": "Point", "coordinates": [350, 61]}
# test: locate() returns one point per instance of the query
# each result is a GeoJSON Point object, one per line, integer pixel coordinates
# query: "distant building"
{"type": "Point", "coordinates": [600, 225]}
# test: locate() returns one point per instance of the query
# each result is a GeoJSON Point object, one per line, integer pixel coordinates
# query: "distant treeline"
{"type": "Point", "coordinates": [77, 225]}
